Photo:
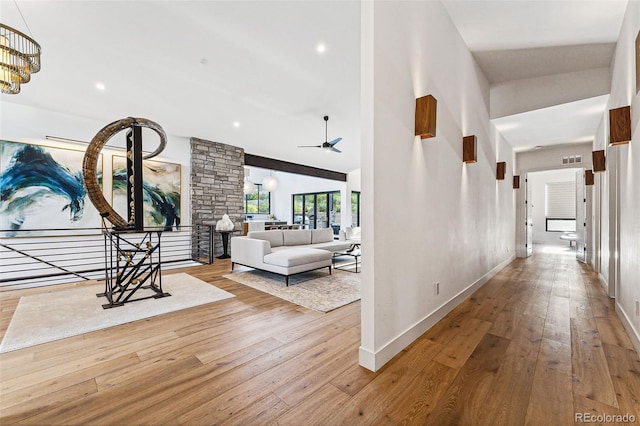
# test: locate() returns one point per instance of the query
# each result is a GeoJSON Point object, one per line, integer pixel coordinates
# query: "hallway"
{"type": "Point", "coordinates": [549, 345]}
{"type": "Point", "coordinates": [537, 344]}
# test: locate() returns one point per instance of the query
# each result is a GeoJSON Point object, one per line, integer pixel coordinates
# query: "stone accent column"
{"type": "Point", "coordinates": [217, 178]}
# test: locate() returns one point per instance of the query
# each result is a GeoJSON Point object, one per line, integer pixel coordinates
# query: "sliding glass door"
{"type": "Point", "coordinates": [317, 210]}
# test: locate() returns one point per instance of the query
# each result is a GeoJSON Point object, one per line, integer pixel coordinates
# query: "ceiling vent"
{"type": "Point", "coordinates": [572, 159]}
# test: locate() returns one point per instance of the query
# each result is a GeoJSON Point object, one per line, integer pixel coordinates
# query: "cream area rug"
{"type": "Point", "coordinates": [315, 290]}
{"type": "Point", "coordinates": [42, 318]}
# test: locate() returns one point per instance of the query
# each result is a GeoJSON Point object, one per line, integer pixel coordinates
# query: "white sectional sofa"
{"type": "Point", "coordinates": [286, 252]}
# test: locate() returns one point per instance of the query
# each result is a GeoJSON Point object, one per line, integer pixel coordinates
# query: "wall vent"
{"type": "Point", "coordinates": [572, 159]}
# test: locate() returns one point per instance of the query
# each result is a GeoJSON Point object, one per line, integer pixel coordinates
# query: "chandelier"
{"type": "Point", "coordinates": [19, 58]}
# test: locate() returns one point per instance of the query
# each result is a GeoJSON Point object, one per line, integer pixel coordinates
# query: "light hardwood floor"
{"type": "Point", "coordinates": [535, 345]}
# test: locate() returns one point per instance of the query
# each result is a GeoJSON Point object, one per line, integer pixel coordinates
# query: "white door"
{"type": "Point", "coordinates": [581, 217]}
{"type": "Point", "coordinates": [528, 218]}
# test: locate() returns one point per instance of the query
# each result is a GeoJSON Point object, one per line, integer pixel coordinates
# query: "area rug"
{"type": "Point", "coordinates": [46, 317]}
{"type": "Point", "coordinates": [315, 290]}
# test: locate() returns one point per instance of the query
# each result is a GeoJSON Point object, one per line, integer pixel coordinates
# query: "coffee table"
{"type": "Point", "coordinates": [353, 252]}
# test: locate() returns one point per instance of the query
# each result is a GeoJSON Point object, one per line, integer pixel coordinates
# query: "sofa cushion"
{"type": "Point", "coordinates": [296, 237]}
{"type": "Point", "coordinates": [296, 256]}
{"type": "Point", "coordinates": [274, 237]}
{"type": "Point", "coordinates": [323, 235]}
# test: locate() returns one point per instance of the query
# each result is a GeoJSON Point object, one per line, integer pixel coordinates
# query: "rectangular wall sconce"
{"type": "Point", "coordinates": [469, 150]}
{"type": "Point", "coordinates": [501, 170]}
{"type": "Point", "coordinates": [589, 178]}
{"type": "Point", "coordinates": [599, 163]}
{"type": "Point", "coordinates": [516, 182]}
{"type": "Point", "coordinates": [620, 126]}
{"type": "Point", "coordinates": [426, 107]}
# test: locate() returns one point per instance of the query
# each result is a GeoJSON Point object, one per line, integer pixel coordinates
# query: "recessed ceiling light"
{"type": "Point", "coordinates": [236, 124]}
{"type": "Point", "coordinates": [321, 48]}
{"type": "Point", "coordinates": [100, 86]}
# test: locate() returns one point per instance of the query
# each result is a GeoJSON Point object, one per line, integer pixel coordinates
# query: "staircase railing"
{"type": "Point", "coordinates": [58, 256]}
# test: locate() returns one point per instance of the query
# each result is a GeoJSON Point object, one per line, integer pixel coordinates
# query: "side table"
{"type": "Point", "coordinates": [225, 243]}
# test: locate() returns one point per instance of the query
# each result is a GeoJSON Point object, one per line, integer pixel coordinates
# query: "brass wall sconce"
{"type": "Point", "coordinates": [620, 126]}
{"type": "Point", "coordinates": [426, 108]}
{"type": "Point", "coordinates": [599, 161]}
{"type": "Point", "coordinates": [501, 170]}
{"type": "Point", "coordinates": [469, 150]}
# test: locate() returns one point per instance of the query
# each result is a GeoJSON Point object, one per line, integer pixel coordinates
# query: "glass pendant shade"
{"type": "Point", "coordinates": [248, 187]}
{"type": "Point", "coordinates": [270, 183]}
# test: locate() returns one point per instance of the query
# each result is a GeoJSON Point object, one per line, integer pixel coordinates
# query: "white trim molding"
{"type": "Point", "coordinates": [628, 326]}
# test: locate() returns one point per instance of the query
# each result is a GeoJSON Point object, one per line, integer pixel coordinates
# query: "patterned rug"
{"type": "Point", "coordinates": [315, 290]}
{"type": "Point", "coordinates": [55, 315]}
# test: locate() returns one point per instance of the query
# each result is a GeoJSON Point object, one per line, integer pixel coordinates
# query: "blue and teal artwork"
{"type": "Point", "coordinates": [160, 188]}
{"type": "Point", "coordinates": [41, 188]}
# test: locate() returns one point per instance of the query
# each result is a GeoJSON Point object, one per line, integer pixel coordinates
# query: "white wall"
{"type": "Point", "coordinates": [620, 186]}
{"type": "Point", "coordinates": [430, 218]}
{"type": "Point", "coordinates": [516, 96]}
{"type": "Point", "coordinates": [290, 184]}
{"type": "Point", "coordinates": [538, 181]}
{"type": "Point", "coordinates": [551, 158]}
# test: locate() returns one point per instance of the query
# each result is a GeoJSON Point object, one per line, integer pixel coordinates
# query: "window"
{"type": "Point", "coordinates": [560, 206]}
{"type": "Point", "coordinates": [317, 210]}
{"type": "Point", "coordinates": [355, 208]}
{"type": "Point", "coordinates": [259, 201]}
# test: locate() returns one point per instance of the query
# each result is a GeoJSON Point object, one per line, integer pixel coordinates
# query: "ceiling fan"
{"type": "Point", "coordinates": [328, 146]}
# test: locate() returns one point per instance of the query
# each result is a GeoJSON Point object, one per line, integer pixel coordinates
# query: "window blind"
{"type": "Point", "coordinates": [560, 200]}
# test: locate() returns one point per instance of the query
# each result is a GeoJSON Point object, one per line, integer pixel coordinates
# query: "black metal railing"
{"type": "Point", "coordinates": [34, 258]}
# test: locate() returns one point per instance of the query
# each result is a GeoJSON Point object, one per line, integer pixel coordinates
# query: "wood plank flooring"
{"type": "Point", "coordinates": [535, 345]}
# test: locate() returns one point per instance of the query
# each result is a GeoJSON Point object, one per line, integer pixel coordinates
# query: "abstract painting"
{"type": "Point", "coordinates": [41, 188]}
{"type": "Point", "coordinates": [161, 192]}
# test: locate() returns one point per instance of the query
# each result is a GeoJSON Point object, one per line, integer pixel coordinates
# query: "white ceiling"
{"type": "Point", "coordinates": [196, 67]}
{"type": "Point", "coordinates": [579, 122]}
{"type": "Point", "coordinates": [521, 39]}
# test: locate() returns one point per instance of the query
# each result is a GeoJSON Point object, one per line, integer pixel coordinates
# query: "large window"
{"type": "Point", "coordinates": [317, 210]}
{"type": "Point", "coordinates": [355, 208]}
{"type": "Point", "coordinates": [560, 206]}
{"type": "Point", "coordinates": [258, 201]}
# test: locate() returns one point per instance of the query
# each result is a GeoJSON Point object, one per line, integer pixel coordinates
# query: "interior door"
{"type": "Point", "coordinates": [581, 217]}
{"type": "Point", "coordinates": [528, 219]}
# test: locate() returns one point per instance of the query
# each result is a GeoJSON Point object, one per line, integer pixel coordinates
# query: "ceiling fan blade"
{"type": "Point", "coordinates": [309, 146]}
{"type": "Point", "coordinates": [335, 141]}
{"type": "Point", "coordinates": [332, 149]}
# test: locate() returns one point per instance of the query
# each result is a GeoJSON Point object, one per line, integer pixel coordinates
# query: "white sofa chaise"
{"type": "Point", "coordinates": [286, 252]}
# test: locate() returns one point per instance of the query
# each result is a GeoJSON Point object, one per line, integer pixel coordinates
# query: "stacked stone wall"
{"type": "Point", "coordinates": [217, 178]}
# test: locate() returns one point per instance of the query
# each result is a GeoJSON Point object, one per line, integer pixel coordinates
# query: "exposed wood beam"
{"type": "Point", "coordinates": [285, 166]}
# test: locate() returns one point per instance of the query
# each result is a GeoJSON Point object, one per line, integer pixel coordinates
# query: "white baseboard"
{"type": "Point", "coordinates": [367, 359]}
{"type": "Point", "coordinates": [375, 360]}
{"type": "Point", "coordinates": [628, 326]}
{"type": "Point", "coordinates": [603, 283]}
